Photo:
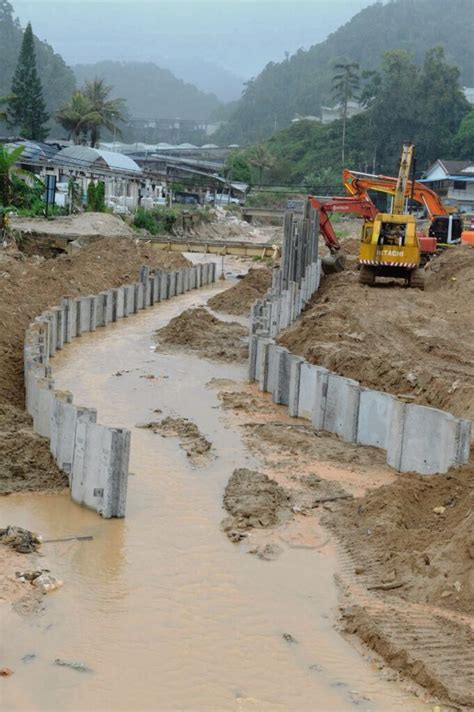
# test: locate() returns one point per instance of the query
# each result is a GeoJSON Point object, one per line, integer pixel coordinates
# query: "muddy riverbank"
{"type": "Point", "coordinates": [192, 621]}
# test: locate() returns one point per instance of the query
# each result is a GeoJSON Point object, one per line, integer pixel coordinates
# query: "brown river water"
{"type": "Point", "coordinates": [167, 613]}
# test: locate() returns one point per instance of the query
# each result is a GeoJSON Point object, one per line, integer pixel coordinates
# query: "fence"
{"type": "Point", "coordinates": [95, 457]}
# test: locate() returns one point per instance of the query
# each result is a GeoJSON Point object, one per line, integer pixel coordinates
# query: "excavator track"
{"type": "Point", "coordinates": [417, 279]}
{"type": "Point", "coordinates": [367, 275]}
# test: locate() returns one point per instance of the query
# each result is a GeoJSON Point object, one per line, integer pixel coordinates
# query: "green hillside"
{"type": "Point", "coordinates": [151, 91]}
{"type": "Point", "coordinates": [56, 77]}
{"type": "Point", "coordinates": [301, 84]}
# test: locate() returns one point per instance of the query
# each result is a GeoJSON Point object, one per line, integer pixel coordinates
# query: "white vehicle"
{"type": "Point", "coordinates": [221, 199]}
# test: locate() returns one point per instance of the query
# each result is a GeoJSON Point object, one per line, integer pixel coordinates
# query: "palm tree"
{"type": "Point", "coordinates": [109, 110]}
{"type": "Point", "coordinates": [262, 159]}
{"type": "Point", "coordinates": [345, 84]}
{"type": "Point", "coordinates": [78, 117]}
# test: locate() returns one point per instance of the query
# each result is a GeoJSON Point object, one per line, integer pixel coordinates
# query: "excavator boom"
{"type": "Point", "coordinates": [358, 185]}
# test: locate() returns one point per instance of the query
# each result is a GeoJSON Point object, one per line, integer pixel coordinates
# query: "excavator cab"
{"type": "Point", "coordinates": [447, 229]}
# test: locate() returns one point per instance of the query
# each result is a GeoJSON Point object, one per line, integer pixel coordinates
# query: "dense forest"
{"type": "Point", "coordinates": [302, 83]}
{"type": "Point", "coordinates": [150, 91]}
{"type": "Point", "coordinates": [57, 78]}
{"type": "Point", "coordinates": [406, 102]}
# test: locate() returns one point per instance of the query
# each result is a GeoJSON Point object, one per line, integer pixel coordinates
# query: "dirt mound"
{"type": "Point", "coordinates": [25, 458]}
{"type": "Point", "coordinates": [239, 298]}
{"type": "Point", "coordinates": [193, 442]}
{"type": "Point", "coordinates": [82, 225]}
{"type": "Point", "coordinates": [199, 331]}
{"type": "Point", "coordinates": [398, 340]}
{"type": "Point", "coordinates": [417, 532]}
{"type": "Point", "coordinates": [254, 501]}
{"type": "Point", "coordinates": [27, 287]}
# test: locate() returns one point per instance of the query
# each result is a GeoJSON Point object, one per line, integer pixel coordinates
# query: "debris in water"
{"type": "Point", "coordinates": [79, 667]}
{"type": "Point", "coordinates": [21, 540]}
{"type": "Point", "coordinates": [42, 579]}
{"type": "Point", "coordinates": [289, 638]}
{"type": "Point", "coordinates": [28, 658]}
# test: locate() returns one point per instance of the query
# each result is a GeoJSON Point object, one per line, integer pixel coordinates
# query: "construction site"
{"type": "Point", "coordinates": [235, 463]}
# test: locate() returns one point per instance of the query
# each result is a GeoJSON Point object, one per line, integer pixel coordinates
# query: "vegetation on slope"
{"type": "Point", "coordinates": [302, 83]}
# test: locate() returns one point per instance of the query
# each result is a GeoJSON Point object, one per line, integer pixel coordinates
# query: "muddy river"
{"type": "Point", "coordinates": [163, 609]}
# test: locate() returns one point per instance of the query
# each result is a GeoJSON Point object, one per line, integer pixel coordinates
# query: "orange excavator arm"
{"type": "Point", "coordinates": [362, 206]}
{"type": "Point", "coordinates": [357, 184]}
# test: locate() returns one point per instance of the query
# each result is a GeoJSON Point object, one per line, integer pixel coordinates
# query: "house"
{"type": "Point", "coordinates": [453, 181]}
{"type": "Point", "coordinates": [122, 177]}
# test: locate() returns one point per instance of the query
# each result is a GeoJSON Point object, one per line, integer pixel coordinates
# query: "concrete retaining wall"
{"type": "Point", "coordinates": [94, 457]}
{"type": "Point", "coordinates": [416, 438]}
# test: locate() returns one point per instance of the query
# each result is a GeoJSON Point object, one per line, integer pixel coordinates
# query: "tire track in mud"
{"type": "Point", "coordinates": [433, 646]}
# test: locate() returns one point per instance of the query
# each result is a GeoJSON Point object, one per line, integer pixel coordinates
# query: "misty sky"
{"type": "Point", "coordinates": [239, 35]}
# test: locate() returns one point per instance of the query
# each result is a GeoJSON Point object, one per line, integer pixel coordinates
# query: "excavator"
{"type": "Point", "coordinates": [446, 227]}
{"type": "Point", "coordinates": [390, 246]}
{"type": "Point", "coordinates": [358, 206]}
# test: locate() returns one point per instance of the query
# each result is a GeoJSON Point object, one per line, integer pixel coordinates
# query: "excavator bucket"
{"type": "Point", "coordinates": [333, 263]}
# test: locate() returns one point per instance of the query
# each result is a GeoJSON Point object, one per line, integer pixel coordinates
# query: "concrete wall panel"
{"type": "Point", "coordinates": [342, 407]}
{"type": "Point", "coordinates": [375, 416]}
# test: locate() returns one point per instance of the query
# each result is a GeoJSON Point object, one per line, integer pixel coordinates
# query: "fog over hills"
{"type": "Point", "coordinates": [215, 44]}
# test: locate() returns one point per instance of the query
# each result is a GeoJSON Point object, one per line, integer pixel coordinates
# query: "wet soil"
{"type": "Point", "coordinates": [407, 548]}
{"type": "Point", "coordinates": [27, 287]}
{"type": "Point", "coordinates": [196, 446]}
{"type": "Point", "coordinates": [394, 339]}
{"type": "Point", "coordinates": [200, 332]}
{"type": "Point", "coordinates": [239, 298]}
{"type": "Point", "coordinates": [235, 631]}
{"type": "Point", "coordinates": [253, 500]}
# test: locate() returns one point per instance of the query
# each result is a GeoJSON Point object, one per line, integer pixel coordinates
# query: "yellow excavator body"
{"type": "Point", "coordinates": [389, 245]}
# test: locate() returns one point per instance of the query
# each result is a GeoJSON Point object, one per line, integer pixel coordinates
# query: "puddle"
{"type": "Point", "coordinates": [165, 611]}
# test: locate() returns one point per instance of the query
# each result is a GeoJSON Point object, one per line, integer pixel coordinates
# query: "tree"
{"type": "Point", "coordinates": [441, 106]}
{"type": "Point", "coordinates": [26, 107]}
{"type": "Point", "coordinates": [345, 84]}
{"type": "Point", "coordinates": [463, 143]}
{"type": "Point", "coordinates": [236, 168]}
{"type": "Point", "coordinates": [109, 110]}
{"type": "Point", "coordinates": [9, 174]}
{"type": "Point", "coordinates": [262, 159]}
{"type": "Point", "coordinates": [78, 117]}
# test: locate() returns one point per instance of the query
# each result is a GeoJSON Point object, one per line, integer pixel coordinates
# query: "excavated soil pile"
{"type": "Point", "coordinates": [418, 532]}
{"type": "Point", "coordinates": [239, 298]}
{"type": "Point", "coordinates": [198, 331]}
{"type": "Point", "coordinates": [28, 286]}
{"type": "Point", "coordinates": [398, 340]}
{"type": "Point", "coordinates": [83, 225]}
{"type": "Point", "coordinates": [253, 500]}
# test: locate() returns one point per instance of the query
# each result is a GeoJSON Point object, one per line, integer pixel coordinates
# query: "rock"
{"type": "Point", "coordinates": [411, 378]}
{"type": "Point", "coordinates": [5, 672]}
{"type": "Point", "coordinates": [439, 510]}
{"type": "Point", "coordinates": [289, 638]}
